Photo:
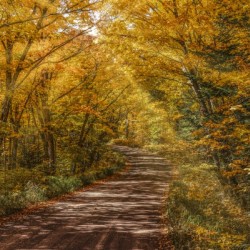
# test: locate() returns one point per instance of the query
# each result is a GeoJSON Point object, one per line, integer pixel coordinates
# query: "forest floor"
{"type": "Point", "coordinates": [121, 214]}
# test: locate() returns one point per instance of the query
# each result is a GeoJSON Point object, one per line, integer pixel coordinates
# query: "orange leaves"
{"type": "Point", "coordinates": [236, 168]}
{"type": "Point", "coordinates": [238, 164]}
{"type": "Point", "coordinates": [213, 144]}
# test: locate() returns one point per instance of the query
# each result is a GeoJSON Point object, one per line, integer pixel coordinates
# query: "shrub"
{"type": "Point", "coordinates": [109, 171]}
{"type": "Point", "coordinates": [58, 185]}
{"type": "Point", "coordinates": [22, 187]}
{"type": "Point", "coordinates": [11, 202]}
{"type": "Point", "coordinates": [33, 193]}
{"type": "Point", "coordinates": [100, 175]}
{"type": "Point", "coordinates": [18, 178]}
{"type": "Point", "coordinates": [87, 178]}
{"type": "Point", "coordinates": [14, 201]}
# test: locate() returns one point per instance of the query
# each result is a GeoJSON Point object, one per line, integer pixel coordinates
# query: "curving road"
{"type": "Point", "coordinates": [122, 214]}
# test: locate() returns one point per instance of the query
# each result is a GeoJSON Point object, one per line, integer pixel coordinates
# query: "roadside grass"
{"type": "Point", "coordinates": [200, 212]}
{"type": "Point", "coordinates": [202, 215]}
{"type": "Point", "coordinates": [23, 187]}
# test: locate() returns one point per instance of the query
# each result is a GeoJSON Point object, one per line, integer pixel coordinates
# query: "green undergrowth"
{"type": "Point", "coordinates": [22, 187]}
{"type": "Point", "coordinates": [200, 211]}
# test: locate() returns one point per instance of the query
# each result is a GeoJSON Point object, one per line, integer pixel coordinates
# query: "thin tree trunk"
{"type": "Point", "coordinates": [197, 90]}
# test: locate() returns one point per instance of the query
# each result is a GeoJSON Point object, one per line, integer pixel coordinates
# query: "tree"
{"type": "Point", "coordinates": [30, 38]}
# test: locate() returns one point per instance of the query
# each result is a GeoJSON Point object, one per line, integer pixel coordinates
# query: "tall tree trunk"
{"type": "Point", "coordinates": [13, 163]}
{"type": "Point", "coordinates": [7, 101]}
{"type": "Point", "coordinates": [83, 129]}
{"type": "Point", "coordinates": [44, 116]}
{"type": "Point", "coordinates": [198, 92]}
{"type": "Point", "coordinates": [14, 141]}
{"type": "Point", "coordinates": [51, 152]}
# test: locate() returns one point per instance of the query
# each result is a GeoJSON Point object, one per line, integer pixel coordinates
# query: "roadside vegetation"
{"type": "Point", "coordinates": [203, 214]}
{"type": "Point", "coordinates": [24, 187]}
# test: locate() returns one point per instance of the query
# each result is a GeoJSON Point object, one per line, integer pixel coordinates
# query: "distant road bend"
{"type": "Point", "coordinates": [121, 214]}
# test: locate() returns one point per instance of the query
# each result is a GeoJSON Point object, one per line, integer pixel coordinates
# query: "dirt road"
{"type": "Point", "coordinates": [122, 214]}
